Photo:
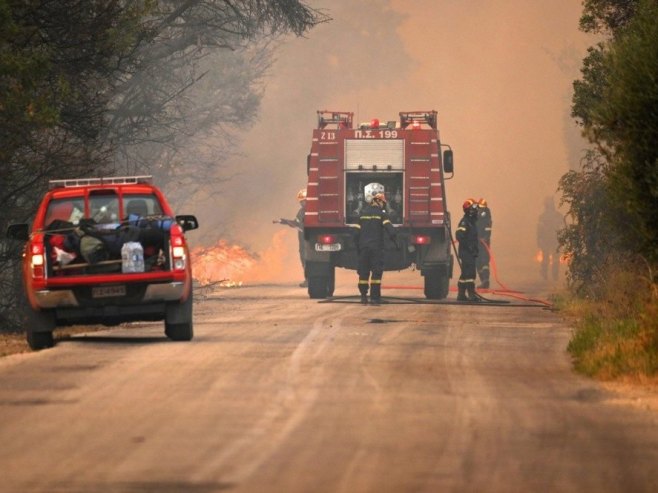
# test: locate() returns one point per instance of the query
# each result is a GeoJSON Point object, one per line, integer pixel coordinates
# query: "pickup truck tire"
{"type": "Point", "coordinates": [179, 325]}
{"type": "Point", "coordinates": [39, 331]}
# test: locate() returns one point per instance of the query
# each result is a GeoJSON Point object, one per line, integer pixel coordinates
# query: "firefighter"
{"type": "Point", "coordinates": [467, 236]}
{"type": "Point", "coordinates": [549, 223]}
{"type": "Point", "coordinates": [298, 224]}
{"type": "Point", "coordinates": [484, 224]}
{"type": "Point", "coordinates": [373, 221]}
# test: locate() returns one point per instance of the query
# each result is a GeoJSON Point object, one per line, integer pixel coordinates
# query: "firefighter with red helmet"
{"type": "Point", "coordinates": [484, 224]}
{"type": "Point", "coordinates": [467, 236]}
{"type": "Point", "coordinates": [373, 221]}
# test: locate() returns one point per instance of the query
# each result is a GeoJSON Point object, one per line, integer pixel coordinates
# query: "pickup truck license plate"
{"type": "Point", "coordinates": [108, 291]}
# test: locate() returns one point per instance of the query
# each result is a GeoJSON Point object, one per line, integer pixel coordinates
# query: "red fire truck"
{"type": "Point", "coordinates": [405, 157]}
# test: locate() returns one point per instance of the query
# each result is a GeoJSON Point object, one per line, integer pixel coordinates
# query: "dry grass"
{"type": "Point", "coordinates": [616, 336]}
{"type": "Point", "coordinates": [15, 342]}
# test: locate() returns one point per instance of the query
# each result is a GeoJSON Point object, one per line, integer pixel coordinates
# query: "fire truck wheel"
{"type": "Point", "coordinates": [178, 320]}
{"type": "Point", "coordinates": [320, 287]}
{"type": "Point", "coordinates": [40, 326]}
{"type": "Point", "coordinates": [332, 283]}
{"type": "Point", "coordinates": [437, 285]}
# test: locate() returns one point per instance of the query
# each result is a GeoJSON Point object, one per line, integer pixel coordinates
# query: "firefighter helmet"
{"type": "Point", "coordinates": [301, 195]}
{"type": "Point", "coordinates": [482, 203]}
{"type": "Point", "coordinates": [372, 189]}
{"type": "Point", "coordinates": [469, 204]}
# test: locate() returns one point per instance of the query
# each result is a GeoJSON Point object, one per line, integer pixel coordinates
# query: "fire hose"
{"type": "Point", "coordinates": [504, 291]}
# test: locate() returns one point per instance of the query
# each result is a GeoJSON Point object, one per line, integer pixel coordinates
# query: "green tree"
{"type": "Point", "coordinates": [106, 85]}
{"type": "Point", "coordinates": [628, 111]}
{"type": "Point", "coordinates": [616, 102]}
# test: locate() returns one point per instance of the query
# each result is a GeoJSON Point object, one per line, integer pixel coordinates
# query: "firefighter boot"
{"type": "Point", "coordinates": [363, 289]}
{"type": "Point", "coordinates": [470, 290]}
{"type": "Point", "coordinates": [375, 292]}
{"type": "Point", "coordinates": [461, 293]}
{"type": "Point", "coordinates": [484, 277]}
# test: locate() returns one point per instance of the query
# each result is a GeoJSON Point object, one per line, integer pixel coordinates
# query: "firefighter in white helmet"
{"type": "Point", "coordinates": [298, 224]}
{"type": "Point", "coordinates": [373, 221]}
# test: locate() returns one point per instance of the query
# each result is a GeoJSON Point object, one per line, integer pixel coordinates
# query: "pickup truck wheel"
{"type": "Point", "coordinates": [40, 340]}
{"type": "Point", "coordinates": [179, 325]}
{"type": "Point", "coordinates": [39, 331]}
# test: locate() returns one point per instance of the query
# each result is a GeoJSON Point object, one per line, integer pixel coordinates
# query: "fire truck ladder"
{"type": "Point", "coordinates": [340, 119]}
{"type": "Point", "coordinates": [422, 117]}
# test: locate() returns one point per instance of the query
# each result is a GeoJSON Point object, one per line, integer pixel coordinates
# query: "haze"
{"type": "Point", "coordinates": [499, 74]}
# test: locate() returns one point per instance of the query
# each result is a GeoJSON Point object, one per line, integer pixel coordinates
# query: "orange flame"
{"type": "Point", "coordinates": [539, 256]}
{"type": "Point", "coordinates": [279, 262]}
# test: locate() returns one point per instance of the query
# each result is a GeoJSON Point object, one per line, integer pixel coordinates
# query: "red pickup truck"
{"type": "Point", "coordinates": [106, 250]}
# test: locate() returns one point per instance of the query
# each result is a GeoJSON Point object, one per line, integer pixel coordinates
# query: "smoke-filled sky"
{"type": "Point", "coordinates": [499, 73]}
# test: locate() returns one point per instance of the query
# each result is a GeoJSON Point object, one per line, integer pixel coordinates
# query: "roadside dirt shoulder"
{"type": "Point", "coordinates": [642, 395]}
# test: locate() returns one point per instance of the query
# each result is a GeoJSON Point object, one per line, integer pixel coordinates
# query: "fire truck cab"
{"type": "Point", "coordinates": [404, 156]}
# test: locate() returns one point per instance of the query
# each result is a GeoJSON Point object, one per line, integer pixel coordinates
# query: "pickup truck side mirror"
{"type": "Point", "coordinates": [447, 161]}
{"type": "Point", "coordinates": [187, 222]}
{"type": "Point", "coordinates": [18, 231]}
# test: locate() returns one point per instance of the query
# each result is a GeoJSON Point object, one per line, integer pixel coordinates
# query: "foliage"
{"type": "Point", "coordinates": [591, 239]}
{"type": "Point", "coordinates": [606, 16]}
{"type": "Point", "coordinates": [629, 113]}
{"type": "Point", "coordinates": [617, 335]}
{"type": "Point", "coordinates": [96, 87]}
{"type": "Point", "coordinates": [612, 236]}
{"type": "Point", "coordinates": [616, 102]}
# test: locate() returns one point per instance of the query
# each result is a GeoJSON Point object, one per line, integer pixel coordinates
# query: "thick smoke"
{"type": "Point", "coordinates": [498, 73]}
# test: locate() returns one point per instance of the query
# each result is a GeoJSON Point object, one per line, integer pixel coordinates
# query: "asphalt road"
{"type": "Point", "coordinates": [279, 393]}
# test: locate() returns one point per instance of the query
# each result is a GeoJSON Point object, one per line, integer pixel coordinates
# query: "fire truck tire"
{"type": "Point", "coordinates": [40, 326]}
{"type": "Point", "coordinates": [320, 287]}
{"type": "Point", "coordinates": [437, 285]}
{"type": "Point", "coordinates": [178, 320]}
{"type": "Point", "coordinates": [332, 285]}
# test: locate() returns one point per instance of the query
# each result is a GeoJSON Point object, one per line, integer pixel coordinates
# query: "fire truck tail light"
{"type": "Point", "coordinates": [327, 239]}
{"type": "Point", "coordinates": [421, 240]}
